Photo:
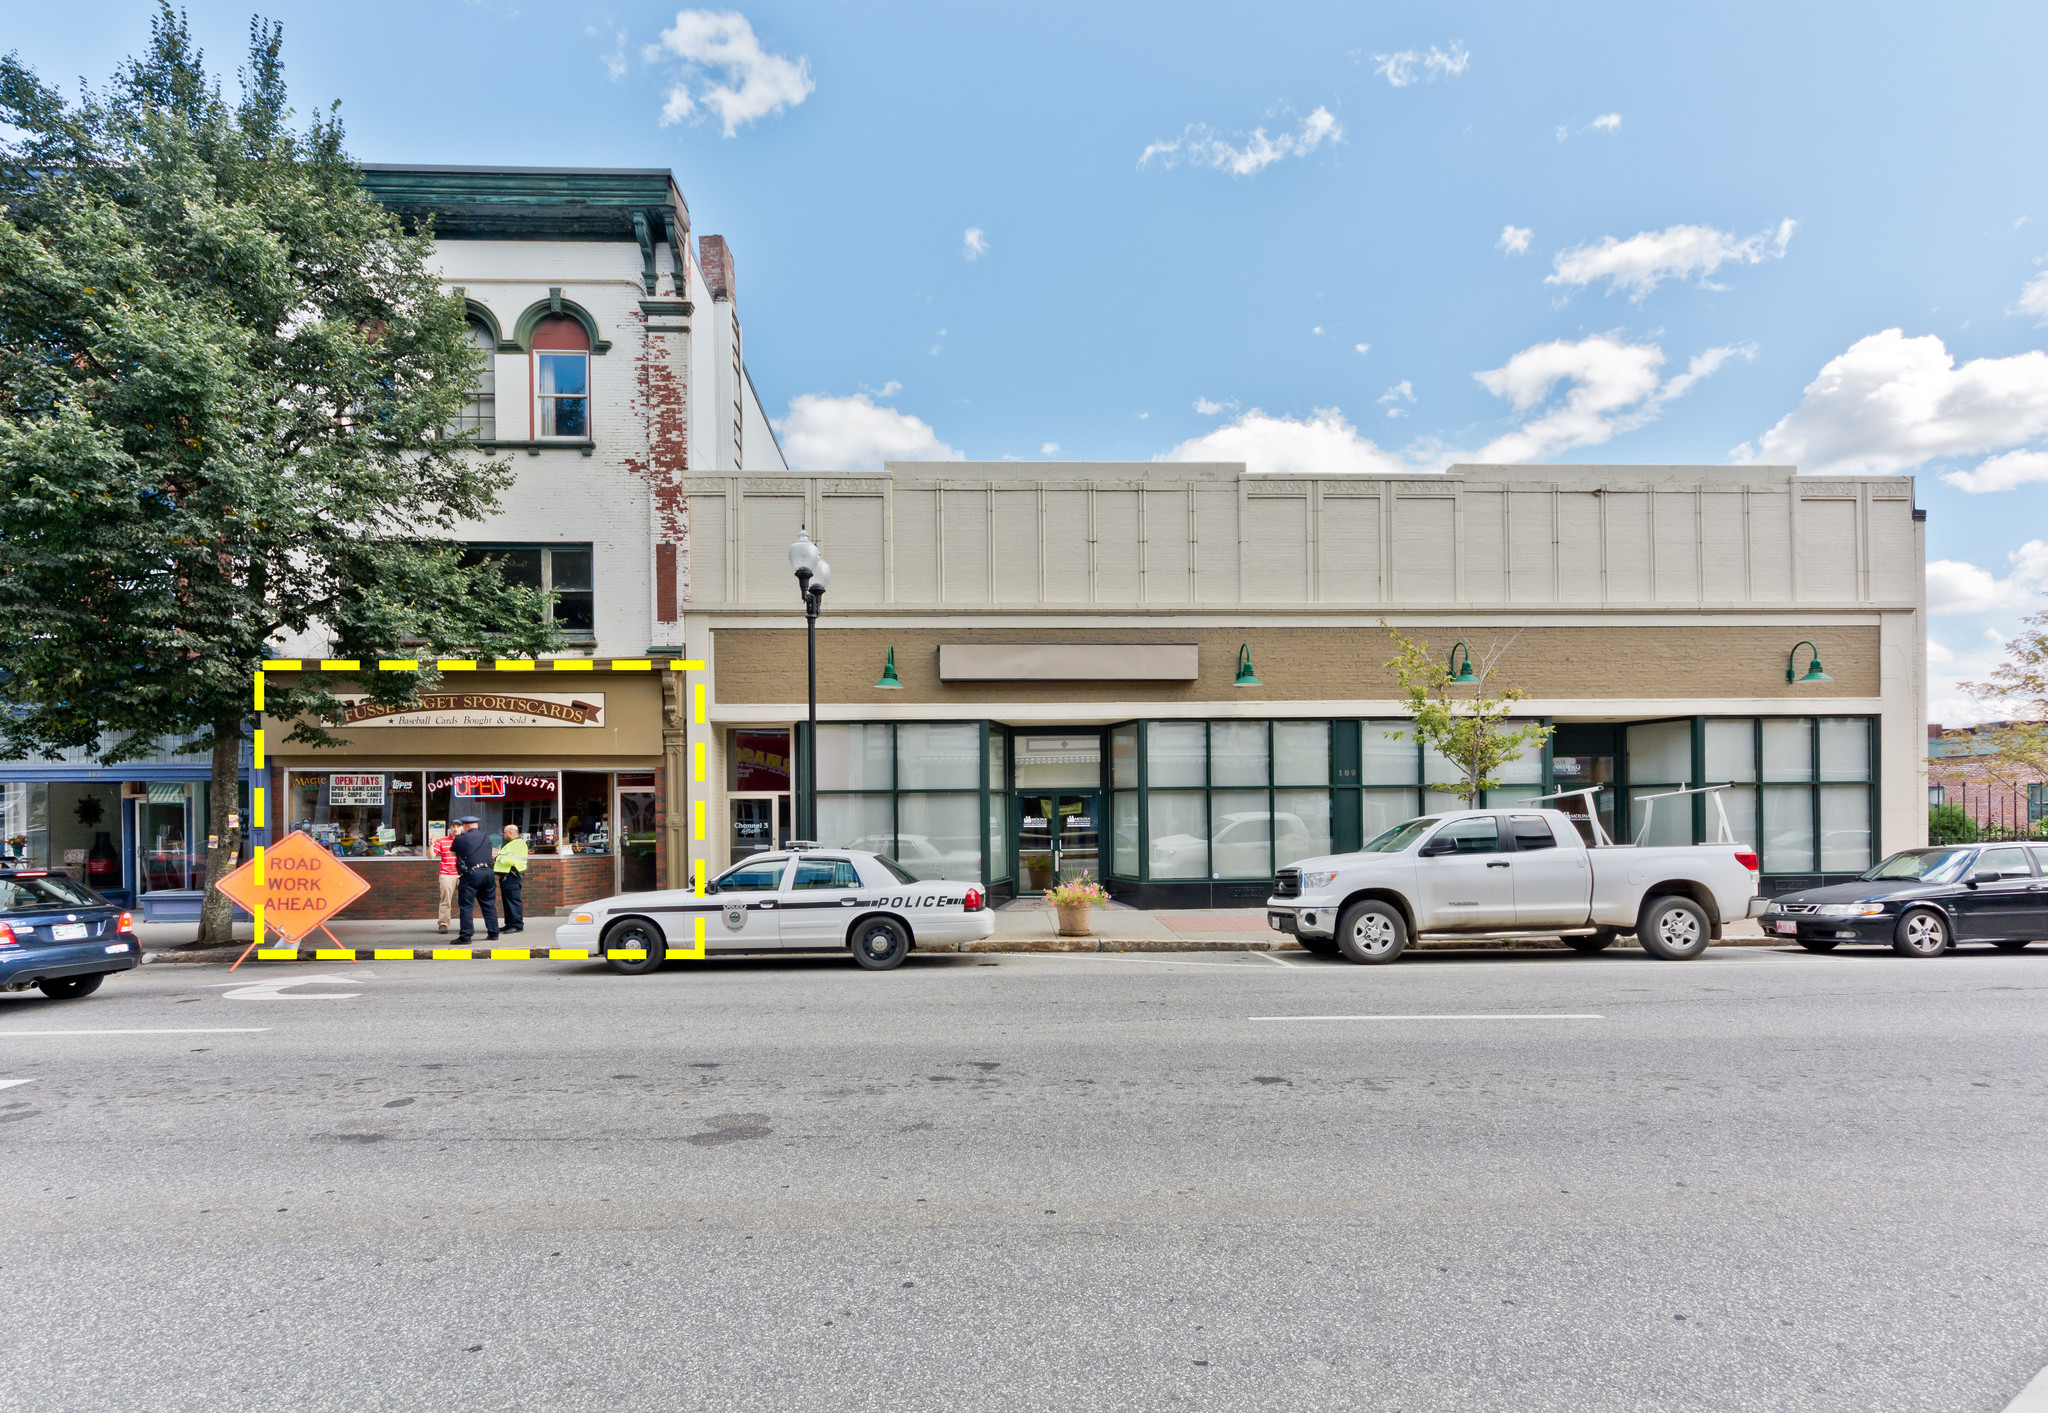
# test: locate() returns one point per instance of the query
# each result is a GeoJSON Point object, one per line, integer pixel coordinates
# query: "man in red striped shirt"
{"type": "Point", "coordinates": [444, 851]}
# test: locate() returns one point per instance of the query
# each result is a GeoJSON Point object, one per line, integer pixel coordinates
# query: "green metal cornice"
{"type": "Point", "coordinates": [639, 204]}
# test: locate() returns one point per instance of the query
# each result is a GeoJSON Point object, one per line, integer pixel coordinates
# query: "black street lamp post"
{"type": "Point", "coordinates": [813, 576]}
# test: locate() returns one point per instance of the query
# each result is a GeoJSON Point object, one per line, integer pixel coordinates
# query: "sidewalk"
{"type": "Point", "coordinates": [1017, 930]}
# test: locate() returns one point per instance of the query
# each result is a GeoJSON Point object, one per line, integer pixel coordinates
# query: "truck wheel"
{"type": "Point", "coordinates": [1371, 933]}
{"type": "Point", "coordinates": [1923, 932]}
{"type": "Point", "coordinates": [70, 988]}
{"type": "Point", "coordinates": [634, 935]}
{"type": "Point", "coordinates": [1598, 940]}
{"type": "Point", "coordinates": [880, 943]}
{"type": "Point", "coordinates": [1674, 929]}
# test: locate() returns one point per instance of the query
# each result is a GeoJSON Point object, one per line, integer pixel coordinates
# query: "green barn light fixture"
{"type": "Point", "coordinates": [1813, 672]}
{"type": "Point", "coordinates": [890, 681]}
{"type": "Point", "coordinates": [1244, 668]}
{"type": "Point", "coordinates": [1462, 676]}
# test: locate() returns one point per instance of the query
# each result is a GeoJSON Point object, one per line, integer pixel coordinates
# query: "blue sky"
{"type": "Point", "coordinates": [1560, 233]}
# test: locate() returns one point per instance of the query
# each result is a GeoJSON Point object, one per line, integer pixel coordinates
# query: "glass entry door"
{"type": "Point", "coordinates": [1058, 840]}
{"type": "Point", "coordinates": [636, 841]}
{"type": "Point", "coordinates": [759, 823]}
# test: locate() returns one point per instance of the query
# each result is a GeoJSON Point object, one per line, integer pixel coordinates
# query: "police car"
{"type": "Point", "coordinates": [801, 899]}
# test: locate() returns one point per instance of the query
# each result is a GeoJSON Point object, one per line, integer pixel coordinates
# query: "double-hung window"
{"type": "Point", "coordinates": [562, 570]}
{"type": "Point", "coordinates": [561, 379]}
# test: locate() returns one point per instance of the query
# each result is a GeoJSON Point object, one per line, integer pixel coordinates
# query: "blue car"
{"type": "Point", "coordinates": [59, 935]}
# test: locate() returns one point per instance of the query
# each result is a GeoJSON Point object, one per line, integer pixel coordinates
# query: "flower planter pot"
{"type": "Point", "coordinates": [1074, 920]}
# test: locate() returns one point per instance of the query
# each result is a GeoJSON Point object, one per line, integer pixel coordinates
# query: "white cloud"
{"type": "Point", "coordinates": [1215, 409]}
{"type": "Point", "coordinates": [1317, 330]}
{"type": "Point", "coordinates": [1403, 390]}
{"type": "Point", "coordinates": [1606, 122]}
{"type": "Point", "coordinates": [1416, 66]}
{"type": "Point", "coordinates": [1199, 147]}
{"type": "Point", "coordinates": [1938, 652]}
{"type": "Point", "coordinates": [1891, 402]}
{"type": "Point", "coordinates": [2001, 473]}
{"type": "Point", "coordinates": [1049, 449]}
{"type": "Point", "coordinates": [1611, 387]}
{"type": "Point", "coordinates": [614, 62]}
{"type": "Point", "coordinates": [974, 244]}
{"type": "Point", "coordinates": [1514, 239]}
{"type": "Point", "coordinates": [751, 83]}
{"type": "Point", "coordinates": [1363, 347]}
{"type": "Point", "coordinates": [1323, 444]}
{"type": "Point", "coordinates": [1647, 259]}
{"type": "Point", "coordinates": [822, 433]}
{"type": "Point", "coordinates": [1957, 586]}
{"type": "Point", "coordinates": [2034, 297]}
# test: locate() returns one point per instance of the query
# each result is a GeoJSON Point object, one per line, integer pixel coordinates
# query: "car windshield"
{"type": "Point", "coordinates": [903, 875]}
{"type": "Point", "coordinates": [49, 890]}
{"type": "Point", "coordinates": [1923, 865]}
{"type": "Point", "coordinates": [1400, 837]}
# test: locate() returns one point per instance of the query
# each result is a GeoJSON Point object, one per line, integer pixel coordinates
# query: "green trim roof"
{"type": "Point", "coordinates": [532, 203]}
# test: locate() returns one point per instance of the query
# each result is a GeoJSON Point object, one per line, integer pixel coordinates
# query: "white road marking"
{"type": "Point", "coordinates": [10, 1083]}
{"type": "Point", "coordinates": [1511, 1015]}
{"type": "Point", "coordinates": [1276, 961]}
{"type": "Point", "coordinates": [274, 988]}
{"type": "Point", "coordinates": [207, 1030]}
{"type": "Point", "coordinates": [2033, 1398]}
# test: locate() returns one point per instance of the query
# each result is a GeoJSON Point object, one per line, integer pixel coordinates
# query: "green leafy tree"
{"type": "Point", "coordinates": [2019, 754]}
{"type": "Point", "coordinates": [225, 379]}
{"type": "Point", "coordinates": [1467, 725]}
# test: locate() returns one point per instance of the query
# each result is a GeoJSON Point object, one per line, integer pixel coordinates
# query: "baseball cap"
{"type": "Point", "coordinates": [468, 819]}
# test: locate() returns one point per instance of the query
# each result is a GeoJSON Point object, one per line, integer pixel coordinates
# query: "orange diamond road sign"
{"type": "Point", "coordinates": [303, 886]}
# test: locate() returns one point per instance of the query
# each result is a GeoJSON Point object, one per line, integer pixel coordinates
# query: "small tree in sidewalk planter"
{"type": "Point", "coordinates": [1073, 900]}
{"type": "Point", "coordinates": [1467, 726]}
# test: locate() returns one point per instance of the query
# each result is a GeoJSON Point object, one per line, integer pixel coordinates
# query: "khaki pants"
{"type": "Point", "coordinates": [448, 882]}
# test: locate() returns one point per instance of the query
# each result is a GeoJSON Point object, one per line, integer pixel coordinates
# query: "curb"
{"type": "Point", "coordinates": [1019, 945]}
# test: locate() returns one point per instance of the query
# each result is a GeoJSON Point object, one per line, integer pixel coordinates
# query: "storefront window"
{"type": "Point", "coordinates": [1238, 753]}
{"type": "Point", "coordinates": [1301, 825]}
{"type": "Point", "coordinates": [25, 824]}
{"type": "Point", "coordinates": [938, 836]}
{"type": "Point", "coordinates": [857, 756]}
{"type": "Point", "coordinates": [1178, 823]}
{"type": "Point", "coordinates": [497, 799]}
{"type": "Point", "coordinates": [938, 755]}
{"type": "Point", "coordinates": [358, 814]}
{"type": "Point", "coordinates": [1301, 753]}
{"type": "Point", "coordinates": [858, 822]}
{"type": "Point", "coordinates": [1176, 754]}
{"type": "Point", "coordinates": [1070, 761]}
{"type": "Point", "coordinates": [586, 808]}
{"type": "Point", "coordinates": [1242, 843]}
{"type": "Point", "coordinates": [1123, 758]}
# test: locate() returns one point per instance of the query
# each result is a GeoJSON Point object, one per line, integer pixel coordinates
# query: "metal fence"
{"type": "Point", "coordinates": [1970, 813]}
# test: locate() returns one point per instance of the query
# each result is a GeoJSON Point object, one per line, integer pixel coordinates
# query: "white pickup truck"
{"type": "Point", "coordinates": [1524, 870]}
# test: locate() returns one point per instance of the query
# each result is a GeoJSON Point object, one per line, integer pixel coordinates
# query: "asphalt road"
{"type": "Point", "coordinates": [1755, 1181]}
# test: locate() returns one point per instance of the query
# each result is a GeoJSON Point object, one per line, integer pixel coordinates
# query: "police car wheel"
{"type": "Point", "coordinates": [880, 943]}
{"type": "Point", "coordinates": [70, 988]}
{"type": "Point", "coordinates": [631, 936]}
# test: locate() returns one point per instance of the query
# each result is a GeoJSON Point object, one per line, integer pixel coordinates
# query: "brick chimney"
{"type": "Point", "coordinates": [714, 257]}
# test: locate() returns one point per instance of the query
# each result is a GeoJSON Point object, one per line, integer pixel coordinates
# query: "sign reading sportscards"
{"type": "Point", "coordinates": [481, 709]}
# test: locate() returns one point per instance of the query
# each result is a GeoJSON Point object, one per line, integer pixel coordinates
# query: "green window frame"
{"type": "Point", "coordinates": [916, 817]}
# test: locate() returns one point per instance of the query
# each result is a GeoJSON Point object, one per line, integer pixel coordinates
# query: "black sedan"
{"type": "Point", "coordinates": [59, 935]}
{"type": "Point", "coordinates": [1924, 901]}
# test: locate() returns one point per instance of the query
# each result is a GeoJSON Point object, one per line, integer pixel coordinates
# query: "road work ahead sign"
{"type": "Point", "coordinates": [302, 886]}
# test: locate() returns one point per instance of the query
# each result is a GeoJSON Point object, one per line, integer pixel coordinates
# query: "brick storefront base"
{"type": "Point", "coordinates": [410, 888]}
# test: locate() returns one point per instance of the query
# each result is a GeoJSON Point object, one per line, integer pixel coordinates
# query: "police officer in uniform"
{"type": "Point", "coordinates": [472, 849]}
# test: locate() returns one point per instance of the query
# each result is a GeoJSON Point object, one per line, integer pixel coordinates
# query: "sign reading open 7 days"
{"type": "Point", "coordinates": [481, 709]}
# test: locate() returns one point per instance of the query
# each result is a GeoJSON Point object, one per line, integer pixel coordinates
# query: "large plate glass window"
{"type": "Point", "coordinates": [561, 570]}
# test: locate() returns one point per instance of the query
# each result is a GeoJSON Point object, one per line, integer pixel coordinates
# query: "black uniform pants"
{"type": "Point", "coordinates": [511, 884]}
{"type": "Point", "coordinates": [479, 890]}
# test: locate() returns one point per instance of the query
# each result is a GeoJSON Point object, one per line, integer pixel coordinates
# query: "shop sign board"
{"type": "Point", "coordinates": [355, 789]}
{"type": "Point", "coordinates": [303, 886]}
{"type": "Point", "coordinates": [479, 709]}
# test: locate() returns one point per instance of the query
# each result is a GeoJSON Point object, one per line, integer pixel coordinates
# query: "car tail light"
{"type": "Point", "coordinates": [126, 924]}
{"type": "Point", "coordinates": [973, 902]}
{"type": "Point", "coordinates": [7, 937]}
{"type": "Point", "coordinates": [1748, 861]}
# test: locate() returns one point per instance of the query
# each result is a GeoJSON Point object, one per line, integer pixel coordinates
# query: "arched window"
{"type": "Point", "coordinates": [561, 358]}
{"type": "Point", "coordinates": [480, 413]}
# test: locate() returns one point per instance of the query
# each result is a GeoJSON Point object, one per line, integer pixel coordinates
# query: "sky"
{"type": "Point", "coordinates": [1312, 237]}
